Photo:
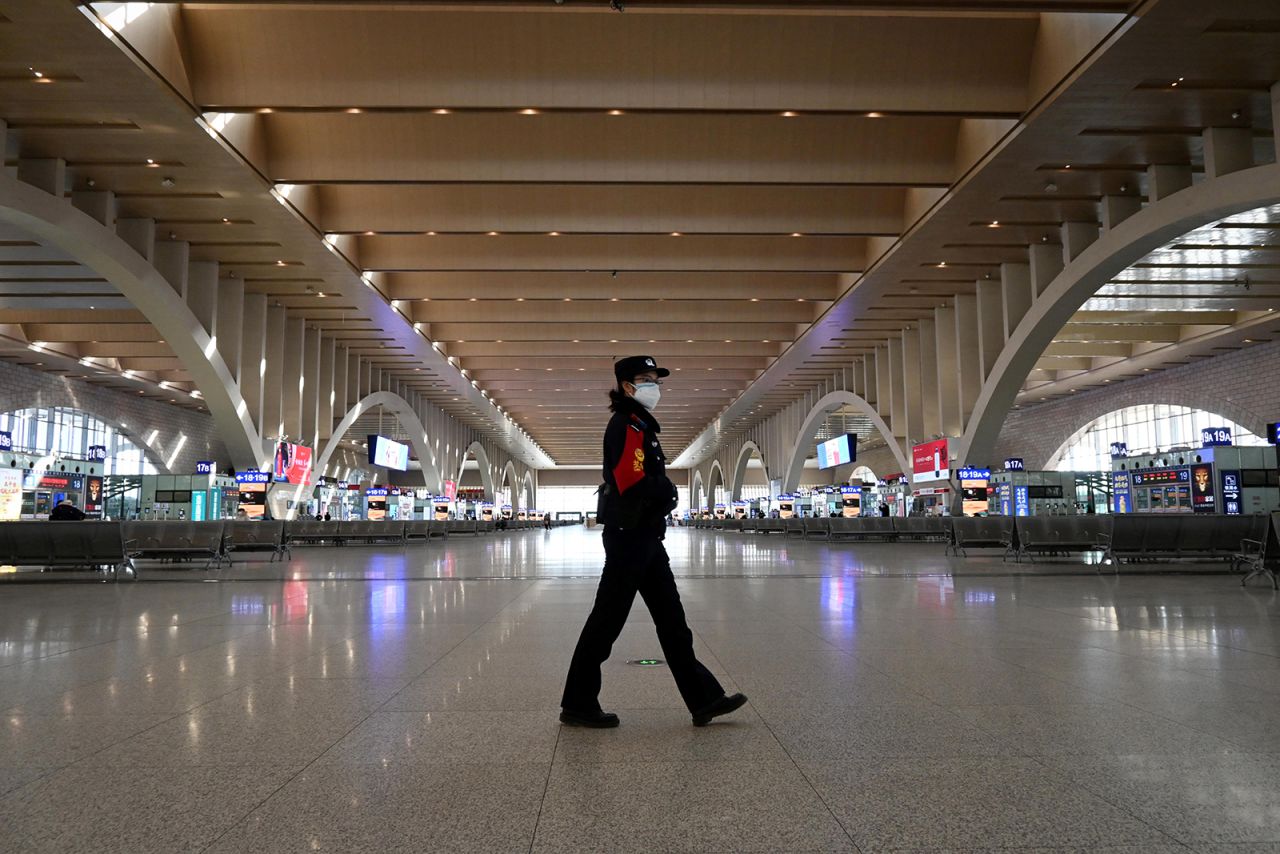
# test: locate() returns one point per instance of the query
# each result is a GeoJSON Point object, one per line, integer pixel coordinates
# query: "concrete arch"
{"type": "Point", "coordinates": [715, 478]}
{"type": "Point", "coordinates": [695, 492]}
{"type": "Point", "coordinates": [809, 429]}
{"type": "Point", "coordinates": [510, 479]}
{"type": "Point", "coordinates": [486, 468]}
{"type": "Point", "coordinates": [1116, 250]}
{"type": "Point", "coordinates": [408, 419]}
{"type": "Point", "coordinates": [53, 221]}
{"type": "Point", "coordinates": [528, 492]}
{"type": "Point", "coordinates": [740, 468]}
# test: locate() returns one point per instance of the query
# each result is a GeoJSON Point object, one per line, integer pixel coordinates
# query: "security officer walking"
{"type": "Point", "coordinates": [634, 502]}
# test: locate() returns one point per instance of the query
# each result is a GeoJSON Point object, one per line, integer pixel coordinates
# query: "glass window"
{"type": "Point", "coordinates": [1146, 429]}
{"type": "Point", "coordinates": [62, 431]}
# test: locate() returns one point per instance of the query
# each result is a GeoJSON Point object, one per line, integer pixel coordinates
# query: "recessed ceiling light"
{"type": "Point", "coordinates": [554, 233]}
{"type": "Point", "coordinates": [493, 234]}
{"type": "Point", "coordinates": [615, 112]}
{"type": "Point", "coordinates": [353, 109]}
{"type": "Point", "coordinates": [528, 111]}
{"type": "Point", "coordinates": [874, 115]}
{"type": "Point", "coordinates": [441, 111]}
{"type": "Point", "coordinates": [789, 113]}
{"type": "Point", "coordinates": [796, 234]}
{"type": "Point", "coordinates": [675, 234]}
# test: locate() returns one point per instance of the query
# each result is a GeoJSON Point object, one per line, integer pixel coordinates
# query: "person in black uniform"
{"type": "Point", "coordinates": [634, 502]}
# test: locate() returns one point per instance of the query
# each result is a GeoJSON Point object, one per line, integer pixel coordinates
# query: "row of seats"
{"type": "Point", "coordinates": [858, 528]}
{"type": "Point", "coordinates": [1126, 537]}
{"type": "Point", "coordinates": [114, 546]}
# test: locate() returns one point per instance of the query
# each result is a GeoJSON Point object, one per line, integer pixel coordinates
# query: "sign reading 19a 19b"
{"type": "Point", "coordinates": [1215, 436]}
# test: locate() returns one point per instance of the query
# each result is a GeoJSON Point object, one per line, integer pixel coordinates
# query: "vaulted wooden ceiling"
{"type": "Point", "coordinates": [541, 188]}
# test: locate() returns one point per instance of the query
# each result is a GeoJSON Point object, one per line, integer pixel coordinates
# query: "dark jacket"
{"type": "Point", "coordinates": [66, 513]}
{"type": "Point", "coordinates": [637, 494]}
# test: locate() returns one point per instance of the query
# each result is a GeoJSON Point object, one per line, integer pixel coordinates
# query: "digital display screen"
{"type": "Point", "coordinates": [293, 463]}
{"type": "Point", "coordinates": [1203, 499]}
{"type": "Point", "coordinates": [1044, 491]}
{"type": "Point", "coordinates": [1150, 477]}
{"type": "Point", "coordinates": [838, 451]}
{"type": "Point", "coordinates": [1211, 437]}
{"type": "Point", "coordinates": [388, 454]}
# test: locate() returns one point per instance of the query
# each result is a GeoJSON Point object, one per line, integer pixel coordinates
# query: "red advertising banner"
{"type": "Point", "coordinates": [293, 463]}
{"type": "Point", "coordinates": [930, 461]}
{"type": "Point", "coordinates": [450, 490]}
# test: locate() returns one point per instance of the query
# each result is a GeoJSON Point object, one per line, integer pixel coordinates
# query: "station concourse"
{"type": "Point", "coordinates": [311, 310]}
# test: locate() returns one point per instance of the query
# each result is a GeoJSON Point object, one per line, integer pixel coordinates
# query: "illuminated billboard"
{"type": "Point", "coordinates": [293, 463]}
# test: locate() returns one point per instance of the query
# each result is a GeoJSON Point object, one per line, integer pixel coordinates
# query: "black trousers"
{"type": "Point", "coordinates": [635, 562]}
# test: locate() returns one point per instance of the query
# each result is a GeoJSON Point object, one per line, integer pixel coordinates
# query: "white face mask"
{"type": "Point", "coordinates": [647, 395]}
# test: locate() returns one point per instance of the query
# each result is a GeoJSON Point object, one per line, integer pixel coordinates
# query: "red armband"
{"type": "Point", "coordinates": [630, 468]}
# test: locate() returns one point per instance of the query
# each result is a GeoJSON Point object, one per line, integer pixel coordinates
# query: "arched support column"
{"type": "Point", "coordinates": [809, 429]}
{"type": "Point", "coordinates": [408, 419]}
{"type": "Point", "coordinates": [1117, 249]}
{"type": "Point", "coordinates": [528, 491]}
{"type": "Point", "coordinates": [696, 498]}
{"type": "Point", "coordinates": [740, 468]}
{"type": "Point", "coordinates": [715, 478]}
{"type": "Point", "coordinates": [55, 222]}
{"type": "Point", "coordinates": [486, 468]}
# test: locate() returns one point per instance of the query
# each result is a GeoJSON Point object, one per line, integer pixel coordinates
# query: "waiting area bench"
{"type": "Point", "coordinates": [97, 546]}
{"type": "Point", "coordinates": [176, 541]}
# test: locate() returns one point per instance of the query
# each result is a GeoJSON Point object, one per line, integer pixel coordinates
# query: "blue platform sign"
{"type": "Point", "coordinates": [1273, 433]}
{"type": "Point", "coordinates": [98, 453]}
{"type": "Point", "coordinates": [253, 477]}
{"type": "Point", "coordinates": [1119, 450]}
{"type": "Point", "coordinates": [1021, 501]}
{"type": "Point", "coordinates": [1014, 464]}
{"type": "Point", "coordinates": [974, 474]}
{"type": "Point", "coordinates": [1231, 502]}
{"type": "Point", "coordinates": [1121, 498]}
{"type": "Point", "coordinates": [1005, 491]}
{"type": "Point", "coordinates": [205, 466]}
{"type": "Point", "coordinates": [1213, 437]}
{"type": "Point", "coordinates": [6, 440]}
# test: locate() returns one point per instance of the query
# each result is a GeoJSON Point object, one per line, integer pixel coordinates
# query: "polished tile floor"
{"type": "Point", "coordinates": [405, 699]}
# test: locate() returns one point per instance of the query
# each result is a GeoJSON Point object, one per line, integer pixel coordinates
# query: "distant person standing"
{"type": "Point", "coordinates": [635, 499]}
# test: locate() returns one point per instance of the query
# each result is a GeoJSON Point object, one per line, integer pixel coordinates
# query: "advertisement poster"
{"type": "Point", "coordinates": [406, 505]}
{"type": "Point", "coordinates": [1121, 502]}
{"type": "Point", "coordinates": [1203, 499]}
{"type": "Point", "coordinates": [450, 490]}
{"type": "Point", "coordinates": [850, 501]}
{"type": "Point", "coordinates": [930, 462]}
{"type": "Point", "coordinates": [376, 498]}
{"type": "Point", "coordinates": [293, 463]}
{"type": "Point", "coordinates": [93, 496]}
{"type": "Point", "coordinates": [253, 492]}
{"type": "Point", "coordinates": [786, 506]}
{"type": "Point", "coordinates": [739, 509]}
{"type": "Point", "coordinates": [973, 490]}
{"type": "Point", "coordinates": [10, 495]}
